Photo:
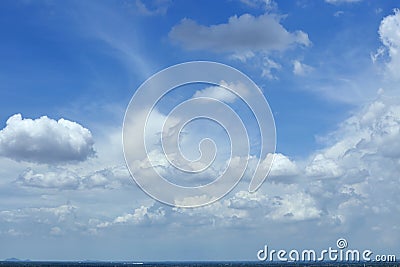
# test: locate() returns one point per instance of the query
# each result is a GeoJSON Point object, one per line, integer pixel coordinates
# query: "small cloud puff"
{"type": "Point", "coordinates": [301, 69]}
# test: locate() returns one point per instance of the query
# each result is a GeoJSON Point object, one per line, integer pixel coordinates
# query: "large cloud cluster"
{"type": "Point", "coordinates": [355, 175]}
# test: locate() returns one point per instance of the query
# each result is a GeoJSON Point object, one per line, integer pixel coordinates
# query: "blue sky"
{"type": "Point", "coordinates": [329, 70]}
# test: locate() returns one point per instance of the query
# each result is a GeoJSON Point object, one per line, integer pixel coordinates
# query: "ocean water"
{"type": "Point", "coordinates": [191, 264]}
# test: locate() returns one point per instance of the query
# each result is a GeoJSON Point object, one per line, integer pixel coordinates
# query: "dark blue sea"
{"type": "Point", "coordinates": [189, 264]}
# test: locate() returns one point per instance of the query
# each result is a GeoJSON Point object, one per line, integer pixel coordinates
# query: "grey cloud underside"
{"type": "Point", "coordinates": [64, 179]}
{"type": "Point", "coordinates": [45, 140]}
{"type": "Point", "coordinates": [252, 39]}
{"type": "Point", "coordinates": [239, 35]}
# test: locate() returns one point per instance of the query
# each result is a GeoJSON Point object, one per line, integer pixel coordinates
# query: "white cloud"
{"type": "Point", "coordinates": [338, 13]}
{"type": "Point", "coordinates": [257, 40]}
{"type": "Point", "coordinates": [363, 162]}
{"type": "Point", "coordinates": [267, 5]}
{"type": "Point", "coordinates": [281, 167]}
{"type": "Point", "coordinates": [301, 69]}
{"type": "Point", "coordinates": [61, 179]}
{"type": "Point", "coordinates": [222, 94]}
{"type": "Point", "coordinates": [371, 132]}
{"type": "Point", "coordinates": [144, 215]}
{"type": "Point", "coordinates": [151, 8]}
{"type": "Point", "coordinates": [67, 179]}
{"type": "Point", "coordinates": [108, 178]}
{"type": "Point", "coordinates": [55, 231]}
{"type": "Point", "coordinates": [269, 67]}
{"type": "Point", "coordinates": [389, 32]}
{"type": "Point", "coordinates": [45, 140]}
{"type": "Point", "coordinates": [239, 35]}
{"type": "Point", "coordinates": [323, 167]}
{"type": "Point", "coordinates": [43, 221]}
{"type": "Point", "coordinates": [40, 215]}
{"type": "Point", "coordinates": [244, 209]}
{"type": "Point", "coordinates": [223, 213]}
{"type": "Point", "coordinates": [336, 2]}
{"type": "Point", "coordinates": [294, 207]}
{"type": "Point", "coordinates": [13, 232]}
{"type": "Point", "coordinates": [61, 212]}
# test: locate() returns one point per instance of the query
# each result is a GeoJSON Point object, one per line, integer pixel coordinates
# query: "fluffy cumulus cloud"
{"type": "Point", "coordinates": [372, 132]}
{"type": "Point", "coordinates": [389, 32]}
{"type": "Point", "coordinates": [362, 165]}
{"type": "Point", "coordinates": [45, 140]}
{"type": "Point", "coordinates": [258, 40]}
{"type": "Point", "coordinates": [323, 167]}
{"type": "Point", "coordinates": [240, 35]}
{"type": "Point", "coordinates": [282, 167]}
